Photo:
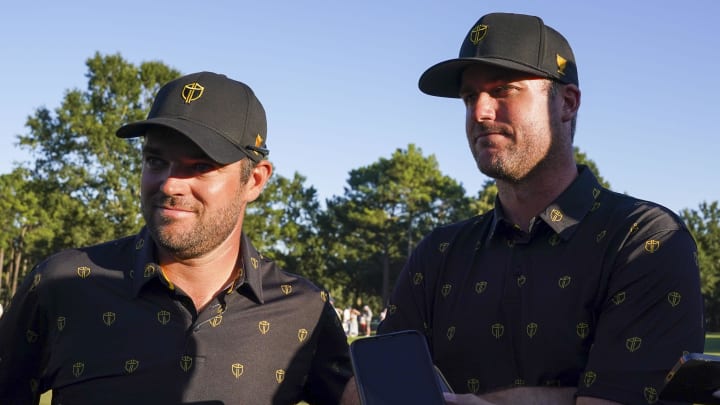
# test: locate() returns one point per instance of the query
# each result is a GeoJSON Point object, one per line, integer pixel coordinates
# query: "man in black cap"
{"type": "Point", "coordinates": [566, 292]}
{"type": "Point", "coordinates": [187, 311]}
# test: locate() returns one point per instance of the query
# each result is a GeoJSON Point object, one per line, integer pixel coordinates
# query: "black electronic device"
{"type": "Point", "coordinates": [396, 368]}
{"type": "Point", "coordinates": [694, 378]}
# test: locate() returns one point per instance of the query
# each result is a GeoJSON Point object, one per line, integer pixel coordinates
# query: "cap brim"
{"type": "Point", "coordinates": [210, 141]}
{"type": "Point", "coordinates": [443, 79]}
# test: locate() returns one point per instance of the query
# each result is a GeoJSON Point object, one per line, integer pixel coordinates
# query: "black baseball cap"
{"type": "Point", "coordinates": [222, 116]}
{"type": "Point", "coordinates": [513, 41]}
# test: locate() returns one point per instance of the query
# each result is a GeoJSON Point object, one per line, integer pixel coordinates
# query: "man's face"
{"type": "Point", "coordinates": [190, 203]}
{"type": "Point", "coordinates": [512, 123]}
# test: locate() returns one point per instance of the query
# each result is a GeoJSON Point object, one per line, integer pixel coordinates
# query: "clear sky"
{"type": "Point", "coordinates": [338, 79]}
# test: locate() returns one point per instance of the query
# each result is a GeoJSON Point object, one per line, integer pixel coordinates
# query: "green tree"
{"type": "Point", "coordinates": [704, 224]}
{"type": "Point", "coordinates": [21, 210]}
{"type": "Point", "coordinates": [387, 207]}
{"type": "Point", "coordinates": [485, 200]}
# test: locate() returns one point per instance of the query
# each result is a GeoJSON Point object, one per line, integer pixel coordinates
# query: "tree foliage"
{"type": "Point", "coordinates": [704, 224]}
{"type": "Point", "coordinates": [387, 207]}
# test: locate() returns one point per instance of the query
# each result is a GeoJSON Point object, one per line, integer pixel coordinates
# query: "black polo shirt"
{"type": "Point", "coordinates": [602, 293]}
{"type": "Point", "coordinates": [103, 325]}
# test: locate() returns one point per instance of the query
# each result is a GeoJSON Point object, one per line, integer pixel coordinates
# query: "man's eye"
{"type": "Point", "coordinates": [153, 163]}
{"type": "Point", "coordinates": [469, 99]}
{"type": "Point", "coordinates": [503, 90]}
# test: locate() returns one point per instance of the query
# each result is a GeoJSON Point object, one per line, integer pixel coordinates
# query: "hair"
{"type": "Point", "coordinates": [553, 90]}
{"type": "Point", "coordinates": [246, 167]}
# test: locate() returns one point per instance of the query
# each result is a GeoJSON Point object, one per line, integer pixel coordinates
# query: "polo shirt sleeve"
{"type": "Point", "coordinates": [651, 314]}
{"type": "Point", "coordinates": [410, 306]}
{"type": "Point", "coordinates": [331, 367]}
{"type": "Point", "coordinates": [22, 336]}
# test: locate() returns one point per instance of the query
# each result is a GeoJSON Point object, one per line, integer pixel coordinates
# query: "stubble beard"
{"type": "Point", "coordinates": [207, 233]}
{"type": "Point", "coordinates": [514, 163]}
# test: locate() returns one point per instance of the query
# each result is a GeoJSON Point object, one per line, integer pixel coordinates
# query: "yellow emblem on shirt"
{"type": "Point", "coordinates": [186, 363]}
{"type": "Point", "coordinates": [674, 298]}
{"type": "Point", "coordinates": [237, 369]}
{"type": "Point", "coordinates": [497, 330]}
{"type": "Point", "coordinates": [163, 317]}
{"type": "Point", "coordinates": [633, 343]}
{"type": "Point", "coordinates": [589, 378]}
{"type": "Point", "coordinates": [582, 329]}
{"type": "Point", "coordinates": [109, 318]}
{"type": "Point", "coordinates": [473, 385]}
{"type": "Point", "coordinates": [131, 366]}
{"type": "Point", "coordinates": [652, 245]}
{"type": "Point", "coordinates": [83, 271]}
{"type": "Point", "coordinates": [651, 395]}
{"type": "Point", "coordinates": [531, 329]}
{"type": "Point", "coordinates": [618, 298]}
{"type": "Point", "coordinates": [78, 368]}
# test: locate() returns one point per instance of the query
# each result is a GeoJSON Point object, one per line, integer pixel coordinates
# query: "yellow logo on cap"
{"type": "Point", "coordinates": [192, 92]}
{"type": "Point", "coordinates": [561, 63]}
{"type": "Point", "coordinates": [258, 143]}
{"type": "Point", "coordinates": [478, 33]}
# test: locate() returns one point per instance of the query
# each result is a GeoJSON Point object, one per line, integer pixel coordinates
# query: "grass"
{"type": "Point", "coordinates": [712, 346]}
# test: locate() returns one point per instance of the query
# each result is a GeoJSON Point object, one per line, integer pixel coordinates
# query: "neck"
{"type": "Point", "coordinates": [522, 201]}
{"type": "Point", "coordinates": [202, 278]}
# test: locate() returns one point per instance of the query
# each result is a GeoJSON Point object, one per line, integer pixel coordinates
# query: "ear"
{"type": "Point", "coordinates": [260, 175]}
{"type": "Point", "coordinates": [571, 101]}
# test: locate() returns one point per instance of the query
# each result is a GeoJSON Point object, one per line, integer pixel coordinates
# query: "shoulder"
{"type": "Point", "coordinates": [642, 214]}
{"type": "Point", "coordinates": [278, 283]}
{"type": "Point", "coordinates": [452, 231]}
{"type": "Point", "coordinates": [101, 255]}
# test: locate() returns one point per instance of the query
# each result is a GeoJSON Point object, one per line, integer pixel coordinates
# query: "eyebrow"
{"type": "Point", "coordinates": [153, 150]}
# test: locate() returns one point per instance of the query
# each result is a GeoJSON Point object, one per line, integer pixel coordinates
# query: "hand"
{"type": "Point", "coordinates": [523, 395]}
{"type": "Point", "coordinates": [464, 399]}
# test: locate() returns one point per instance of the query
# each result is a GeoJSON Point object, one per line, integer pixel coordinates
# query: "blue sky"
{"type": "Point", "coordinates": [339, 79]}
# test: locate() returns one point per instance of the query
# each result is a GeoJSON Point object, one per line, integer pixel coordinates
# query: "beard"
{"type": "Point", "coordinates": [515, 162]}
{"type": "Point", "coordinates": [207, 232]}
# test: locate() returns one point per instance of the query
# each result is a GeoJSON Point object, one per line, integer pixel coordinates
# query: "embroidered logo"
{"type": "Point", "coordinates": [131, 366]}
{"type": "Point", "coordinates": [192, 92]}
{"type": "Point", "coordinates": [186, 363]}
{"type": "Point", "coordinates": [561, 64]}
{"type": "Point", "coordinates": [497, 330]}
{"type": "Point", "coordinates": [83, 271]}
{"type": "Point", "coordinates": [237, 370]}
{"type": "Point", "coordinates": [478, 33]}
{"type": "Point", "coordinates": [163, 317]}
{"type": "Point", "coordinates": [674, 298]}
{"type": "Point", "coordinates": [652, 246]}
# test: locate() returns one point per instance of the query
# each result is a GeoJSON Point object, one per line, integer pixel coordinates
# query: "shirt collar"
{"type": "Point", "coordinates": [145, 267]}
{"type": "Point", "coordinates": [567, 211]}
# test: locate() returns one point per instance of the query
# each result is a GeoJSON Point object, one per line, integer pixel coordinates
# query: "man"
{"type": "Point", "coordinates": [566, 292]}
{"type": "Point", "coordinates": [187, 311]}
